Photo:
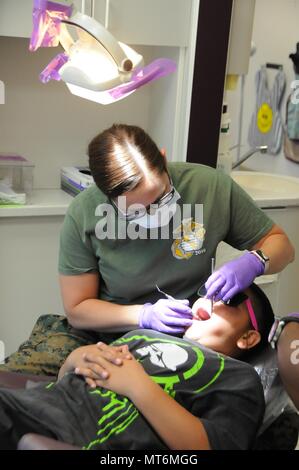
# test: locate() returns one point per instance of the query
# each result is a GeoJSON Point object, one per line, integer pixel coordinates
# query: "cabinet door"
{"type": "Point", "coordinates": [28, 275]}
{"type": "Point", "coordinates": [78, 4]}
{"type": "Point", "coordinates": [16, 18]}
{"type": "Point", "coordinates": [154, 22]}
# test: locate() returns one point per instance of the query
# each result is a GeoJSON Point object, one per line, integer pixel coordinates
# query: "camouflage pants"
{"type": "Point", "coordinates": [51, 341]}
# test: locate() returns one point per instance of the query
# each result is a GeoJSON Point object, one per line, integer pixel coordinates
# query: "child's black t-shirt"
{"type": "Point", "coordinates": [225, 394]}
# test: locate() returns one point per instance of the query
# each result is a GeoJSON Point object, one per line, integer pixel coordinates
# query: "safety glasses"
{"type": "Point", "coordinates": [142, 211]}
{"type": "Point", "coordinates": [234, 302]}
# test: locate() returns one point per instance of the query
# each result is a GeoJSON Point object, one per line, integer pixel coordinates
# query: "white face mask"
{"type": "Point", "coordinates": [162, 215]}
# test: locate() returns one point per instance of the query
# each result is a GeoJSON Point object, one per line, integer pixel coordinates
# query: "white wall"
{"type": "Point", "coordinates": [162, 109]}
{"type": "Point", "coordinates": [47, 124]}
{"type": "Point", "coordinates": [275, 33]}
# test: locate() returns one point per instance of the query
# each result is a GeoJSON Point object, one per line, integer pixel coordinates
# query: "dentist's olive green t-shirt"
{"type": "Point", "coordinates": [130, 269]}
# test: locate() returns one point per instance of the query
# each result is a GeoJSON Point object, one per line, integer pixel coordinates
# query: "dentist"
{"type": "Point", "coordinates": [146, 223]}
{"type": "Point", "coordinates": [114, 250]}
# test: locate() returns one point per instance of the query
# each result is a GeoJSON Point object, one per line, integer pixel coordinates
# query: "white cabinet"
{"type": "Point", "coordinates": [154, 22]}
{"type": "Point", "coordinates": [158, 28]}
{"type": "Point", "coordinates": [28, 275]}
{"type": "Point", "coordinates": [29, 245]}
{"type": "Point", "coordinates": [16, 18]}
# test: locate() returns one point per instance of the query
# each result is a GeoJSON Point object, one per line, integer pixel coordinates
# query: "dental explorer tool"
{"type": "Point", "coordinates": [168, 296]}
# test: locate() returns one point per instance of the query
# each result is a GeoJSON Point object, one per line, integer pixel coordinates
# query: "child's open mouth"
{"type": "Point", "coordinates": [202, 314]}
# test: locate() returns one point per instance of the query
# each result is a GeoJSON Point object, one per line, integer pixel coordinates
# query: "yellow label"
{"type": "Point", "coordinates": [190, 241]}
{"type": "Point", "coordinates": [265, 118]}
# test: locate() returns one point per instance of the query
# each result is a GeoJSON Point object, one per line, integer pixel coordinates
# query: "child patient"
{"type": "Point", "coordinates": [149, 390]}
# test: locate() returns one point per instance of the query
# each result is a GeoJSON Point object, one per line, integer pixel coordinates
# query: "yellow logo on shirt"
{"type": "Point", "coordinates": [190, 236]}
{"type": "Point", "coordinates": [265, 118]}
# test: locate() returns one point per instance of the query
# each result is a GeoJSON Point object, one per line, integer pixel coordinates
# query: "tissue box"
{"type": "Point", "coordinates": [16, 179]}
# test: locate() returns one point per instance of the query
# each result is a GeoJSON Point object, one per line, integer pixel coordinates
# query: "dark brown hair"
{"type": "Point", "coordinates": [113, 163]}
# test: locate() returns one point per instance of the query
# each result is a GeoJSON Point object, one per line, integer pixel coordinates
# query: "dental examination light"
{"type": "Point", "coordinates": [94, 65]}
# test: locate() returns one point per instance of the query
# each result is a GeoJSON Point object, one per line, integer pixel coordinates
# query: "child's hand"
{"type": "Point", "coordinates": [90, 361]}
{"type": "Point", "coordinates": [125, 379]}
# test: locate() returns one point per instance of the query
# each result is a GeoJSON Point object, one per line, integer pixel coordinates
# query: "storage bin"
{"type": "Point", "coordinates": [16, 179]}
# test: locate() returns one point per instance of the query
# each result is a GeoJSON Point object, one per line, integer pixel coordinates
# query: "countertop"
{"type": "Point", "coordinates": [267, 190]}
{"type": "Point", "coordinates": [42, 202]}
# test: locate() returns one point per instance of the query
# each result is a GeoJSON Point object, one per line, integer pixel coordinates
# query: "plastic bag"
{"type": "Point", "coordinates": [276, 398]}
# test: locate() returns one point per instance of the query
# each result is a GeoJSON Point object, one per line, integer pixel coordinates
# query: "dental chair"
{"type": "Point", "coordinates": [32, 441]}
{"type": "Point", "coordinates": [279, 430]}
{"type": "Point", "coordinates": [280, 417]}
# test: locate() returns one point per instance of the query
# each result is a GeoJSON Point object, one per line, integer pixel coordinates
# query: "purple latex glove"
{"type": "Point", "coordinates": [168, 316]}
{"type": "Point", "coordinates": [47, 16]}
{"type": "Point", "coordinates": [234, 277]}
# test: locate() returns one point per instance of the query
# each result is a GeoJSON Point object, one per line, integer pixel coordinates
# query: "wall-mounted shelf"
{"type": "Point", "coordinates": [43, 202]}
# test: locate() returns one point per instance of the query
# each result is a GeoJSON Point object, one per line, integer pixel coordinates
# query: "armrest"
{"type": "Point", "coordinates": [37, 442]}
{"type": "Point", "coordinates": [17, 380]}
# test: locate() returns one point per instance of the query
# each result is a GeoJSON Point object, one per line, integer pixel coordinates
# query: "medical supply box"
{"type": "Point", "coordinates": [16, 179]}
{"type": "Point", "coordinates": [75, 179]}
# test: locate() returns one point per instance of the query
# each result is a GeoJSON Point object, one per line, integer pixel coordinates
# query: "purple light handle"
{"type": "Point", "coordinates": [47, 17]}
{"type": "Point", "coordinates": [51, 72]}
{"type": "Point", "coordinates": [158, 68]}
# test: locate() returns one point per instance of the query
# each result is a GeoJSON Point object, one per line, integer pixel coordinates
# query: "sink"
{"type": "Point", "coordinates": [267, 189]}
